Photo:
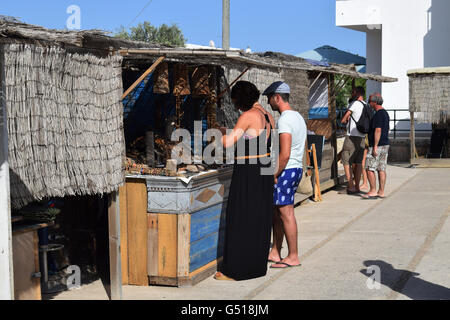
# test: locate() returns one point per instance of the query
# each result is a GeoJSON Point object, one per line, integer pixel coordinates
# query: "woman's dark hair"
{"type": "Point", "coordinates": [246, 94]}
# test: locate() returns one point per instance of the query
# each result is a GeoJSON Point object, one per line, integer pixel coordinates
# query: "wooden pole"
{"type": "Point", "coordinates": [150, 148]}
{"type": "Point", "coordinates": [341, 85]}
{"type": "Point", "coordinates": [178, 101]}
{"type": "Point", "coordinates": [317, 192]}
{"type": "Point", "coordinates": [211, 104]}
{"type": "Point", "coordinates": [332, 118]}
{"type": "Point", "coordinates": [308, 159]}
{"type": "Point", "coordinates": [412, 136]}
{"type": "Point", "coordinates": [146, 73]}
{"type": "Point", "coordinates": [314, 82]}
{"type": "Point", "coordinates": [226, 24]}
{"type": "Point", "coordinates": [115, 265]}
{"type": "Point", "coordinates": [6, 262]}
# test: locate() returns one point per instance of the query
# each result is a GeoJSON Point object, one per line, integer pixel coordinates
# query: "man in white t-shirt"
{"type": "Point", "coordinates": [292, 130]}
{"type": "Point", "coordinates": [354, 144]}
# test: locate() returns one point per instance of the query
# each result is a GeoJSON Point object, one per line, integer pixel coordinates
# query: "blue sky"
{"type": "Point", "coordinates": [289, 26]}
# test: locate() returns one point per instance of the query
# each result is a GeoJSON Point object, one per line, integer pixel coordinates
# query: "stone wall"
{"type": "Point", "coordinates": [262, 78]}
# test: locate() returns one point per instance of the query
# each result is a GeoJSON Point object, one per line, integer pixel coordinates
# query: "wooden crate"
{"type": "Point", "coordinates": [171, 233]}
{"type": "Point", "coordinates": [26, 263]}
{"type": "Point", "coordinates": [185, 249]}
{"type": "Point", "coordinates": [133, 230]}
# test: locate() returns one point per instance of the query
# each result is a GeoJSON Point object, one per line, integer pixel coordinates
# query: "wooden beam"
{"type": "Point", "coordinates": [337, 85]}
{"type": "Point", "coordinates": [341, 85]}
{"type": "Point", "coordinates": [146, 73]}
{"type": "Point", "coordinates": [317, 192]}
{"type": "Point", "coordinates": [115, 267]}
{"type": "Point", "coordinates": [6, 260]}
{"type": "Point", "coordinates": [235, 80]}
{"type": "Point", "coordinates": [234, 56]}
{"type": "Point", "coordinates": [167, 245]}
{"type": "Point", "coordinates": [184, 224]}
{"type": "Point", "coordinates": [152, 242]}
{"type": "Point", "coordinates": [308, 159]}
{"type": "Point", "coordinates": [123, 232]}
{"type": "Point", "coordinates": [26, 263]}
{"type": "Point", "coordinates": [332, 118]}
{"type": "Point", "coordinates": [314, 82]}
{"type": "Point", "coordinates": [137, 232]}
{"type": "Point", "coordinates": [150, 148]}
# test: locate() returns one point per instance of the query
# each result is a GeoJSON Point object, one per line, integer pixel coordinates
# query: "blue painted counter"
{"type": "Point", "coordinates": [186, 226]}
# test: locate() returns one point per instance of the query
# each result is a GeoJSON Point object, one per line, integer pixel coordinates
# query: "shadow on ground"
{"type": "Point", "coordinates": [406, 282]}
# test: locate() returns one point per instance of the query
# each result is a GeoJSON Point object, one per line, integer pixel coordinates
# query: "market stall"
{"type": "Point", "coordinates": [60, 101]}
{"type": "Point", "coordinates": [429, 95]}
{"type": "Point", "coordinates": [171, 89]}
{"type": "Point", "coordinates": [172, 214]}
{"type": "Point", "coordinates": [108, 153]}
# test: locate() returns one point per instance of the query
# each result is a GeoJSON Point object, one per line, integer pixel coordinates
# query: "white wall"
{"type": "Point", "coordinates": [374, 59]}
{"type": "Point", "coordinates": [414, 34]}
{"type": "Point", "coordinates": [6, 269]}
{"type": "Point", "coordinates": [404, 28]}
{"type": "Point", "coordinates": [357, 14]}
{"type": "Point", "coordinates": [436, 41]}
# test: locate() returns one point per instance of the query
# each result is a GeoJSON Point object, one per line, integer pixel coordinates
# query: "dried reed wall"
{"type": "Point", "coordinates": [429, 96]}
{"type": "Point", "coordinates": [65, 122]}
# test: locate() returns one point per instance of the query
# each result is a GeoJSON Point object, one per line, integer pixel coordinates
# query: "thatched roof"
{"type": "Point", "coordinates": [65, 126]}
{"type": "Point", "coordinates": [63, 99]}
{"type": "Point", "coordinates": [274, 60]}
{"type": "Point", "coordinates": [88, 39]}
{"type": "Point", "coordinates": [132, 50]}
{"type": "Point", "coordinates": [429, 94]}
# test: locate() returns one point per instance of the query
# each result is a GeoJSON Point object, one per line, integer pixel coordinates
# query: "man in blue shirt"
{"type": "Point", "coordinates": [378, 148]}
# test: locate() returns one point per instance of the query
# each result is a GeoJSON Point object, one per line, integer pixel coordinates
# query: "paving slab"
{"type": "Point", "coordinates": [338, 239]}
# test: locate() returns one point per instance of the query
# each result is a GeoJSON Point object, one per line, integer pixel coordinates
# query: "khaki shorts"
{"type": "Point", "coordinates": [353, 150]}
{"type": "Point", "coordinates": [379, 162]}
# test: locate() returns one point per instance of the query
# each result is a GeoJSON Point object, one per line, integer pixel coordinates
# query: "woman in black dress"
{"type": "Point", "coordinates": [250, 202]}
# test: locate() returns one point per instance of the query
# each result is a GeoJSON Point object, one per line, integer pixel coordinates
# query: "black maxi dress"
{"type": "Point", "coordinates": [249, 216]}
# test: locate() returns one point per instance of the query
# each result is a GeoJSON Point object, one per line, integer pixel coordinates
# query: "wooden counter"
{"type": "Point", "coordinates": [25, 243]}
{"type": "Point", "coordinates": [171, 230]}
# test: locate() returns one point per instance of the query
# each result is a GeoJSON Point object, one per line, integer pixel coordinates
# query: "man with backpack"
{"type": "Point", "coordinates": [357, 119]}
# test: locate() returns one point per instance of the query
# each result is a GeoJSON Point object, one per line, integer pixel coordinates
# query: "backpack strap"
{"type": "Point", "coordinates": [364, 106]}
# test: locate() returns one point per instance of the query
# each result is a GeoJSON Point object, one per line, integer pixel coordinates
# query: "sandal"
{"type": "Point", "coordinates": [221, 276]}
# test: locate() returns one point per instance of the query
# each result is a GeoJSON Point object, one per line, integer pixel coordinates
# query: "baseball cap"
{"type": "Point", "coordinates": [277, 87]}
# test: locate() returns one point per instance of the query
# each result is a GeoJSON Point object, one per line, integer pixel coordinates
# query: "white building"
{"type": "Point", "coordinates": [401, 35]}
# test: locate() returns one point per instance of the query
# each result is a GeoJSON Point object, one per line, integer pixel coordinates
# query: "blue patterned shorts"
{"type": "Point", "coordinates": [286, 187]}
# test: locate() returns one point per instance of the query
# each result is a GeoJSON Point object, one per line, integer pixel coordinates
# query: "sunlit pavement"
{"type": "Point", "coordinates": [403, 240]}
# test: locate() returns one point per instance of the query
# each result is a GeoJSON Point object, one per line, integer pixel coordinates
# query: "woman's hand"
{"type": "Point", "coordinates": [228, 140]}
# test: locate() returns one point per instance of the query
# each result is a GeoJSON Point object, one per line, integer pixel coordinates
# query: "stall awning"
{"type": "Point", "coordinates": [267, 60]}
{"type": "Point", "coordinates": [429, 93]}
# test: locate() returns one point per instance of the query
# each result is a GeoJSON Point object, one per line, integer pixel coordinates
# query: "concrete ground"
{"type": "Point", "coordinates": [405, 236]}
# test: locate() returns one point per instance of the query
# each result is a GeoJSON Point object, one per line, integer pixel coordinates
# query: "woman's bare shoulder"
{"type": "Point", "coordinates": [252, 113]}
